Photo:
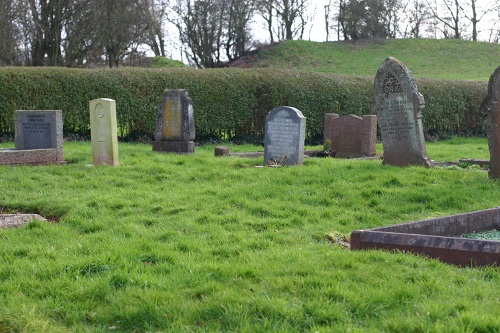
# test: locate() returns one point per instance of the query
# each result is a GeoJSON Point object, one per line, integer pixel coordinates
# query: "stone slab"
{"type": "Point", "coordinates": [31, 157]}
{"type": "Point", "coordinates": [439, 238]}
{"type": "Point", "coordinates": [284, 137]}
{"type": "Point", "coordinates": [179, 147]}
{"type": "Point", "coordinates": [398, 104]}
{"type": "Point", "coordinates": [103, 132]}
{"type": "Point", "coordinates": [491, 109]}
{"type": "Point", "coordinates": [17, 220]}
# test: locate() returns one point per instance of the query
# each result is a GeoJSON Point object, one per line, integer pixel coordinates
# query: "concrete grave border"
{"type": "Point", "coordinates": [439, 238]}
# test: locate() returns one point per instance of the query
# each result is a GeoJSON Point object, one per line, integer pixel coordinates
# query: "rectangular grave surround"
{"type": "Point", "coordinates": [439, 238]}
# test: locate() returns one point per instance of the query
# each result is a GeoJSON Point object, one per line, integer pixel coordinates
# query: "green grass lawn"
{"type": "Point", "coordinates": [426, 58]}
{"type": "Point", "coordinates": [177, 243]}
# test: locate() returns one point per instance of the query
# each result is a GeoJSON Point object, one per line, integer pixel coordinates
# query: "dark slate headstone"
{"type": "Point", "coordinates": [354, 136]}
{"type": "Point", "coordinates": [38, 129]}
{"type": "Point", "coordinates": [285, 135]}
{"type": "Point", "coordinates": [398, 106]}
{"type": "Point", "coordinates": [175, 131]}
{"type": "Point", "coordinates": [491, 109]}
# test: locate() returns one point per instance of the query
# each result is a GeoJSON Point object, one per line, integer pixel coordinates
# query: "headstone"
{"type": "Point", "coordinates": [103, 132]}
{"type": "Point", "coordinates": [491, 109]}
{"type": "Point", "coordinates": [354, 136]}
{"type": "Point", "coordinates": [284, 138]}
{"type": "Point", "coordinates": [328, 126]}
{"type": "Point", "coordinates": [175, 130]}
{"type": "Point", "coordinates": [38, 129]}
{"type": "Point", "coordinates": [398, 106]}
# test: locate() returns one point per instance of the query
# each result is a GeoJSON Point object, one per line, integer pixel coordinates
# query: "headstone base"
{"type": "Point", "coordinates": [179, 147]}
{"type": "Point", "coordinates": [31, 156]}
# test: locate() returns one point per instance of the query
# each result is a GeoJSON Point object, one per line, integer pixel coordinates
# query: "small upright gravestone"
{"type": "Point", "coordinates": [175, 131]}
{"type": "Point", "coordinates": [353, 136]}
{"type": "Point", "coordinates": [38, 138]}
{"type": "Point", "coordinates": [103, 132]}
{"type": "Point", "coordinates": [398, 106]}
{"type": "Point", "coordinates": [284, 138]}
{"type": "Point", "coordinates": [491, 109]}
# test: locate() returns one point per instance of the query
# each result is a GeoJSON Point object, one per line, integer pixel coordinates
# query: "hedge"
{"type": "Point", "coordinates": [229, 104]}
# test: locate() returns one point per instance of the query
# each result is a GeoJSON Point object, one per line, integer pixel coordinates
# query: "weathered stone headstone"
{"type": "Point", "coordinates": [175, 131]}
{"type": "Point", "coordinates": [328, 126]}
{"type": "Point", "coordinates": [398, 106]}
{"type": "Point", "coordinates": [354, 136]}
{"type": "Point", "coordinates": [38, 138]}
{"type": "Point", "coordinates": [491, 109]}
{"type": "Point", "coordinates": [284, 138]}
{"type": "Point", "coordinates": [103, 132]}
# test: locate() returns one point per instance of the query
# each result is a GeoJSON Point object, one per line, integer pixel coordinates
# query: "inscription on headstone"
{"type": "Point", "coordinates": [354, 136]}
{"type": "Point", "coordinates": [491, 109]}
{"type": "Point", "coordinates": [103, 132]}
{"type": "Point", "coordinates": [398, 106]}
{"type": "Point", "coordinates": [284, 138]}
{"type": "Point", "coordinates": [175, 131]}
{"type": "Point", "coordinates": [38, 129]}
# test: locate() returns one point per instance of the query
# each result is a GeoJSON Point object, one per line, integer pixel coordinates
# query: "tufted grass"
{"type": "Point", "coordinates": [176, 243]}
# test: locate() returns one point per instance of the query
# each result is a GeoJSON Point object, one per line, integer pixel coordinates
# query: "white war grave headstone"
{"type": "Point", "coordinates": [103, 132]}
{"type": "Point", "coordinates": [491, 110]}
{"type": "Point", "coordinates": [175, 131]}
{"type": "Point", "coordinates": [398, 104]}
{"type": "Point", "coordinates": [284, 137]}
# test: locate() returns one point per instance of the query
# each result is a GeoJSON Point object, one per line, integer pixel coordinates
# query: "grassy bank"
{"type": "Point", "coordinates": [426, 58]}
{"type": "Point", "coordinates": [195, 243]}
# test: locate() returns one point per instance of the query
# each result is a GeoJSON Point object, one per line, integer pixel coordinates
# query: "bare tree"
{"type": "Point", "coordinates": [156, 18]}
{"type": "Point", "coordinates": [237, 19]}
{"type": "Point", "coordinates": [200, 27]}
{"type": "Point", "coordinates": [476, 14]}
{"type": "Point", "coordinates": [8, 33]}
{"type": "Point", "coordinates": [417, 14]}
{"type": "Point", "coordinates": [451, 18]}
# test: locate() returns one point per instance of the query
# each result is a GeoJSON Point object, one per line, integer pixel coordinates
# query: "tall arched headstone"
{"type": "Point", "coordinates": [398, 106]}
{"type": "Point", "coordinates": [285, 135]}
{"type": "Point", "coordinates": [491, 109]}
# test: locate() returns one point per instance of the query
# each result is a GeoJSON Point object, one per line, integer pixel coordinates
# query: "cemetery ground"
{"type": "Point", "coordinates": [194, 243]}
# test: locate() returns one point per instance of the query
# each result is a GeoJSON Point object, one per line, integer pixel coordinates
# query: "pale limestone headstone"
{"type": "Point", "coordinates": [398, 106]}
{"type": "Point", "coordinates": [353, 136]}
{"type": "Point", "coordinates": [491, 109]}
{"type": "Point", "coordinates": [175, 131]}
{"type": "Point", "coordinates": [284, 138]}
{"type": "Point", "coordinates": [103, 132]}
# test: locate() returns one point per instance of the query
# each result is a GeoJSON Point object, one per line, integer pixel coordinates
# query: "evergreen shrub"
{"type": "Point", "coordinates": [229, 104]}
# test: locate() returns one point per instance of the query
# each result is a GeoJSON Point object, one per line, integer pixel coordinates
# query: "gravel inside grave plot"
{"type": "Point", "coordinates": [17, 220]}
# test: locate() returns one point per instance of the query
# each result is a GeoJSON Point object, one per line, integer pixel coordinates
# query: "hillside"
{"type": "Point", "coordinates": [426, 58]}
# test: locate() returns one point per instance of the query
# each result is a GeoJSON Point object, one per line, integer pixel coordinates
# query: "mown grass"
{"type": "Point", "coordinates": [176, 243]}
{"type": "Point", "coordinates": [426, 58]}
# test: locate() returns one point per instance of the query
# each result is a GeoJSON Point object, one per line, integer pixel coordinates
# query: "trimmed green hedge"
{"type": "Point", "coordinates": [228, 103]}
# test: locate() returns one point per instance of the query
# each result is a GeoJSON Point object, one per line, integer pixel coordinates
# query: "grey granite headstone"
{"type": "Point", "coordinates": [491, 109]}
{"type": "Point", "coordinates": [38, 129]}
{"type": "Point", "coordinates": [175, 131]}
{"type": "Point", "coordinates": [284, 138]}
{"type": "Point", "coordinates": [398, 106]}
{"type": "Point", "coordinates": [354, 136]}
